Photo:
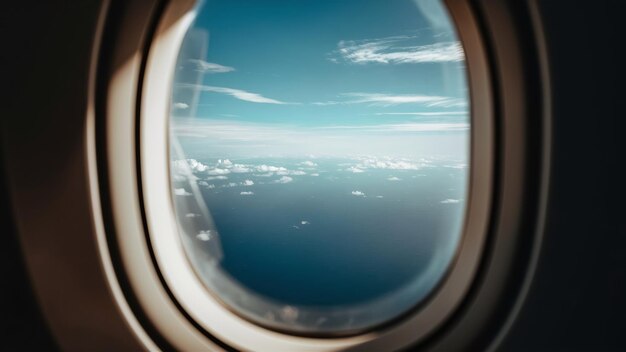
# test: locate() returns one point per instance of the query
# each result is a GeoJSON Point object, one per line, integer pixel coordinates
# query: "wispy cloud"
{"type": "Point", "coordinates": [181, 106]}
{"type": "Point", "coordinates": [235, 93]}
{"type": "Point", "coordinates": [210, 67]}
{"type": "Point", "coordinates": [433, 113]}
{"type": "Point", "coordinates": [396, 50]}
{"type": "Point", "coordinates": [403, 127]}
{"type": "Point", "coordinates": [382, 99]}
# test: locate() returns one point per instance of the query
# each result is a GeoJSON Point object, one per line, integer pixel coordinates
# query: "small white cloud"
{"type": "Point", "coordinates": [308, 163]}
{"type": "Point", "coordinates": [457, 166]}
{"type": "Point", "coordinates": [188, 165]}
{"type": "Point", "coordinates": [315, 174]}
{"type": "Point", "coordinates": [387, 163]}
{"type": "Point", "coordinates": [230, 184]}
{"type": "Point", "coordinates": [192, 215]}
{"type": "Point", "coordinates": [203, 183]}
{"type": "Point", "coordinates": [246, 193]}
{"type": "Point", "coordinates": [210, 186]}
{"type": "Point", "coordinates": [355, 169]}
{"type": "Point", "coordinates": [358, 193]}
{"type": "Point", "coordinates": [217, 178]}
{"type": "Point", "coordinates": [379, 196]}
{"type": "Point", "coordinates": [181, 106]}
{"type": "Point", "coordinates": [393, 178]}
{"type": "Point", "coordinates": [224, 163]}
{"type": "Point", "coordinates": [450, 201]}
{"type": "Point", "coordinates": [218, 171]}
{"type": "Point", "coordinates": [297, 173]}
{"type": "Point", "coordinates": [247, 183]}
{"type": "Point", "coordinates": [269, 168]}
{"type": "Point", "coordinates": [284, 179]}
{"type": "Point", "coordinates": [304, 222]}
{"type": "Point", "coordinates": [204, 235]}
{"type": "Point", "coordinates": [210, 67]}
{"type": "Point", "coordinates": [181, 192]}
{"type": "Point", "coordinates": [240, 169]}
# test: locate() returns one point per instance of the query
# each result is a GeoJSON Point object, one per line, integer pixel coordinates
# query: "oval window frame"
{"type": "Point", "coordinates": [161, 245]}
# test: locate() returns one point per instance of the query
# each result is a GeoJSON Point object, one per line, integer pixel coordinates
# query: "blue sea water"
{"type": "Point", "coordinates": [331, 232]}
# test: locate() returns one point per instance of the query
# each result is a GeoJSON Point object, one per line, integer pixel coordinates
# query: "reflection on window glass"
{"type": "Point", "coordinates": [319, 157]}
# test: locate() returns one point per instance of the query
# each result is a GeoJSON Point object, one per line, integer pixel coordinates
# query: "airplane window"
{"type": "Point", "coordinates": [320, 158]}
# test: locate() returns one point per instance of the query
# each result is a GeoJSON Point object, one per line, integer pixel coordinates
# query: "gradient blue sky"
{"type": "Point", "coordinates": [280, 74]}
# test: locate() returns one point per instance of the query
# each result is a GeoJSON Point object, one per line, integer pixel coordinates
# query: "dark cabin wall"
{"type": "Point", "coordinates": [44, 63]}
{"type": "Point", "coordinates": [577, 301]}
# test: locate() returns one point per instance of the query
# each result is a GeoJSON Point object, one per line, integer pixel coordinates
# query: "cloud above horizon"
{"type": "Point", "coordinates": [239, 138]}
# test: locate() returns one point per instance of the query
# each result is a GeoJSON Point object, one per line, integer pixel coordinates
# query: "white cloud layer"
{"type": "Point", "coordinates": [248, 139]}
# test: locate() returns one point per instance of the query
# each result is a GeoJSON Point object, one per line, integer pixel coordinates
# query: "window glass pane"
{"type": "Point", "coordinates": [319, 157]}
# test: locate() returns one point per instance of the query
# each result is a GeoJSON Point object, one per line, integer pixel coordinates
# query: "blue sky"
{"type": "Point", "coordinates": [271, 75]}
